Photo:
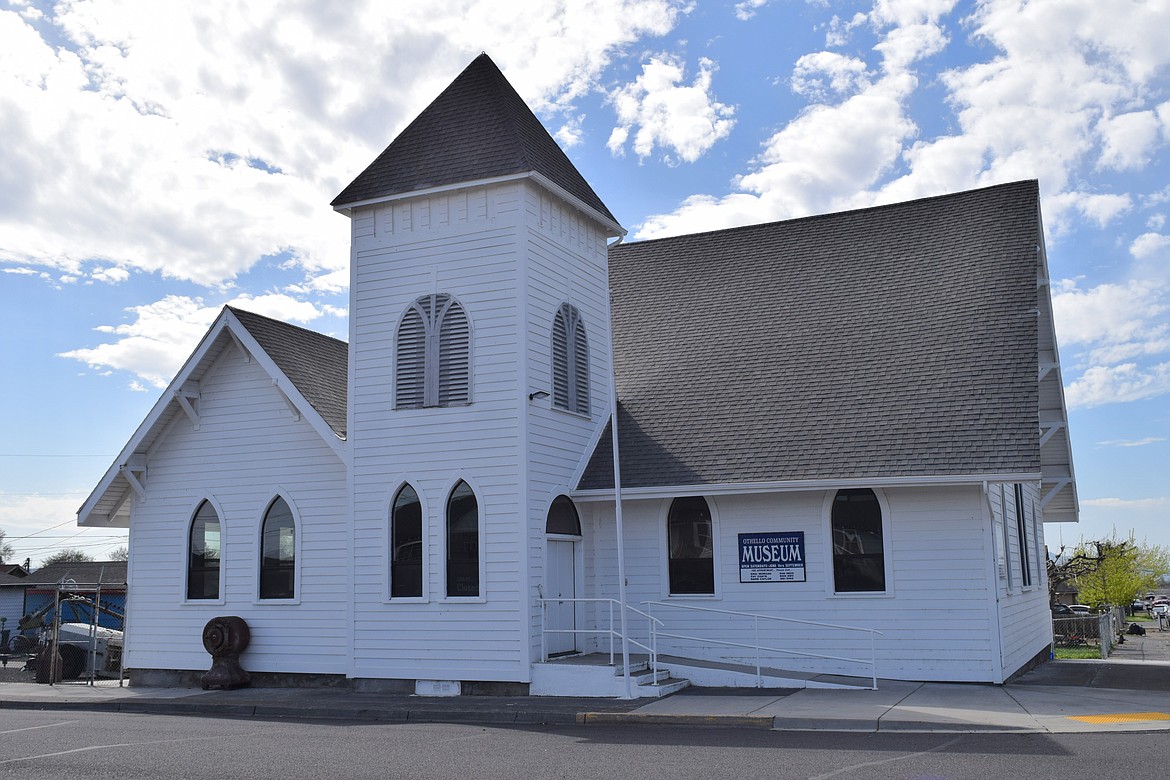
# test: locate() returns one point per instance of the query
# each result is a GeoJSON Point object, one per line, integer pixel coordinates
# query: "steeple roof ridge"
{"type": "Point", "coordinates": [477, 128]}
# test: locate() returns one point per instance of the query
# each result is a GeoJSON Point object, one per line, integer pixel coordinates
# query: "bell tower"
{"type": "Point", "coordinates": [478, 376]}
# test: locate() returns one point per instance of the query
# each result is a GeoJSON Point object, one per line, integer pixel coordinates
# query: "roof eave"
{"type": "Point", "coordinates": [797, 485]}
{"type": "Point", "coordinates": [115, 477]}
{"type": "Point", "coordinates": [612, 227]}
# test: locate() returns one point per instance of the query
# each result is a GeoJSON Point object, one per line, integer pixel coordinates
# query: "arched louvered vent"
{"type": "Point", "coordinates": [433, 354]}
{"type": "Point", "coordinates": [570, 361]}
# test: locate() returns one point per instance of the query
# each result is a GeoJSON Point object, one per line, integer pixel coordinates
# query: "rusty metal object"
{"type": "Point", "coordinates": [225, 638]}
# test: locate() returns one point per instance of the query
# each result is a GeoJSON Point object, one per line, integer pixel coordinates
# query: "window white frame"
{"type": "Point", "coordinates": [1022, 521]}
{"type": "Point", "coordinates": [569, 359]}
{"type": "Point", "coordinates": [222, 597]}
{"type": "Point", "coordinates": [887, 549]}
{"type": "Point", "coordinates": [390, 502]}
{"type": "Point", "coordinates": [481, 596]}
{"type": "Point", "coordinates": [432, 354]}
{"type": "Point", "coordinates": [298, 537]}
{"type": "Point", "coordinates": [664, 546]}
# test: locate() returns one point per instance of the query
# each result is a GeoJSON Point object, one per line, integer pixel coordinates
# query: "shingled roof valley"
{"type": "Point", "coordinates": [895, 341]}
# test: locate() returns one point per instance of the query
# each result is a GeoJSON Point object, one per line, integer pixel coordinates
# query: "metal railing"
{"type": "Point", "coordinates": [757, 647]}
{"type": "Point", "coordinates": [613, 630]}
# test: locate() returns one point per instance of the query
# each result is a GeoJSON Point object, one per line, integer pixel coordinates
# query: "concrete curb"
{"type": "Point", "coordinates": [270, 711]}
{"type": "Point", "coordinates": [663, 719]}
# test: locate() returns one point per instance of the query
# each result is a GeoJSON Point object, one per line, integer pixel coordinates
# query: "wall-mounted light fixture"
{"type": "Point", "coordinates": [537, 394]}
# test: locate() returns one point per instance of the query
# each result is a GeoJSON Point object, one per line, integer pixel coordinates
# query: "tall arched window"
{"type": "Point", "coordinates": [203, 556]}
{"type": "Point", "coordinates": [462, 542]}
{"type": "Point", "coordinates": [563, 518]}
{"type": "Point", "coordinates": [690, 545]}
{"type": "Point", "coordinates": [859, 557]}
{"type": "Point", "coordinates": [278, 556]}
{"type": "Point", "coordinates": [570, 361]}
{"type": "Point", "coordinates": [406, 544]}
{"type": "Point", "coordinates": [433, 349]}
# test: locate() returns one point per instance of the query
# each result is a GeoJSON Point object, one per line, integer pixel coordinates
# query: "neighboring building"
{"type": "Point", "coordinates": [35, 593]}
{"type": "Point", "coordinates": [854, 418]}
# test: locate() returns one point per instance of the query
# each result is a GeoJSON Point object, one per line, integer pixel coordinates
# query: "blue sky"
{"type": "Point", "coordinates": [160, 160]}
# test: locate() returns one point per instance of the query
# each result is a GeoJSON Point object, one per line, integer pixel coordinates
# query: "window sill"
{"type": "Point", "coordinates": [276, 602]}
{"type": "Point", "coordinates": [407, 600]}
{"type": "Point", "coordinates": [203, 602]}
{"type": "Point", "coordinates": [463, 600]}
{"type": "Point", "coordinates": [696, 596]}
{"type": "Point", "coordinates": [861, 594]}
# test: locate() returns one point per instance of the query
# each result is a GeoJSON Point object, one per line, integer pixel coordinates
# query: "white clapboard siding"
{"type": "Point", "coordinates": [247, 449]}
{"type": "Point", "coordinates": [1025, 619]}
{"type": "Point", "coordinates": [566, 263]}
{"type": "Point", "coordinates": [936, 617]}
{"type": "Point", "coordinates": [466, 245]}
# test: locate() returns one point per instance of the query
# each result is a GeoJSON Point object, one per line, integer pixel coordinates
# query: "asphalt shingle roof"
{"type": "Point", "coordinates": [898, 340]}
{"type": "Point", "coordinates": [81, 572]}
{"type": "Point", "coordinates": [317, 364]}
{"type": "Point", "coordinates": [478, 128]}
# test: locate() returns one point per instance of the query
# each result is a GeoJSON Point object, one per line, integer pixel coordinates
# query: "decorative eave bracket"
{"type": "Point", "coordinates": [134, 470]}
{"type": "Point", "coordinates": [296, 413]}
{"type": "Point", "coordinates": [188, 398]}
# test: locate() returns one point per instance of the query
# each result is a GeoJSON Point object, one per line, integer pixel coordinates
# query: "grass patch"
{"type": "Point", "coordinates": [1071, 653]}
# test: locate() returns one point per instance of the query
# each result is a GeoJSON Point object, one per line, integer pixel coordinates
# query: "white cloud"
{"type": "Point", "coordinates": [163, 334]}
{"type": "Point", "coordinates": [1101, 209]}
{"type": "Point", "coordinates": [1114, 333]}
{"type": "Point", "coordinates": [747, 9]}
{"type": "Point", "coordinates": [1128, 140]}
{"type": "Point", "coordinates": [818, 74]}
{"type": "Point", "coordinates": [684, 120]}
{"type": "Point", "coordinates": [1132, 443]}
{"type": "Point", "coordinates": [1122, 383]}
{"type": "Point", "coordinates": [1108, 313]}
{"type": "Point", "coordinates": [190, 139]}
{"type": "Point", "coordinates": [1148, 244]}
{"type": "Point", "coordinates": [831, 154]}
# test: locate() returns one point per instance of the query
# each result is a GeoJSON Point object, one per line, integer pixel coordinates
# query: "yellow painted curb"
{"type": "Point", "coordinates": [1124, 717]}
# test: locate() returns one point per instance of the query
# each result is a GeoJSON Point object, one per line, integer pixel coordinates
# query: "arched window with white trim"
{"type": "Point", "coordinates": [462, 542]}
{"type": "Point", "coordinates": [406, 545]}
{"type": "Point", "coordinates": [859, 553]}
{"type": "Point", "coordinates": [278, 552]}
{"type": "Point", "coordinates": [690, 546]}
{"type": "Point", "coordinates": [570, 361]}
{"type": "Point", "coordinates": [203, 554]}
{"type": "Point", "coordinates": [433, 353]}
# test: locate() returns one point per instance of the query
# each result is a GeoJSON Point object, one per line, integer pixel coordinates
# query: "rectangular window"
{"type": "Point", "coordinates": [1003, 514]}
{"type": "Point", "coordinates": [1022, 528]}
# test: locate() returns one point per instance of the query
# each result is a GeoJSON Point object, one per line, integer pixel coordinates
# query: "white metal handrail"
{"type": "Point", "coordinates": [613, 632]}
{"type": "Point", "coordinates": [756, 618]}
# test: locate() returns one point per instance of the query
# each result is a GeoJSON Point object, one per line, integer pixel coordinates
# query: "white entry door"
{"type": "Point", "coordinates": [562, 584]}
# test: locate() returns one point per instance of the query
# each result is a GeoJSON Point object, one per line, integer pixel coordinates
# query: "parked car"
{"type": "Point", "coordinates": [1061, 609]}
{"type": "Point", "coordinates": [1081, 609]}
{"type": "Point", "coordinates": [1162, 608]}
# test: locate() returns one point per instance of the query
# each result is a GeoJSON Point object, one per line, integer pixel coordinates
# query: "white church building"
{"type": "Point", "coordinates": [839, 438]}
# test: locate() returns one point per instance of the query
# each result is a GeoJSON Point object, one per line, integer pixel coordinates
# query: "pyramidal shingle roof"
{"type": "Point", "coordinates": [478, 128]}
{"type": "Point", "coordinates": [315, 363]}
{"type": "Point", "coordinates": [894, 341]}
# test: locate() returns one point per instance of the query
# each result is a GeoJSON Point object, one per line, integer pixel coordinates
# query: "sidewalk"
{"type": "Point", "coordinates": [1129, 692]}
{"type": "Point", "coordinates": [1059, 697]}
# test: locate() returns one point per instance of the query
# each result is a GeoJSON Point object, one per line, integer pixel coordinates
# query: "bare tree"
{"type": "Point", "coordinates": [6, 550]}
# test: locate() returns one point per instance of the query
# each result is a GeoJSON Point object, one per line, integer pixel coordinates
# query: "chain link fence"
{"type": "Point", "coordinates": [1079, 631]}
{"type": "Point", "coordinates": [73, 634]}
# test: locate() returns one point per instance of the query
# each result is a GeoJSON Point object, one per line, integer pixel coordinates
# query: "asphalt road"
{"type": "Point", "coordinates": [83, 745]}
